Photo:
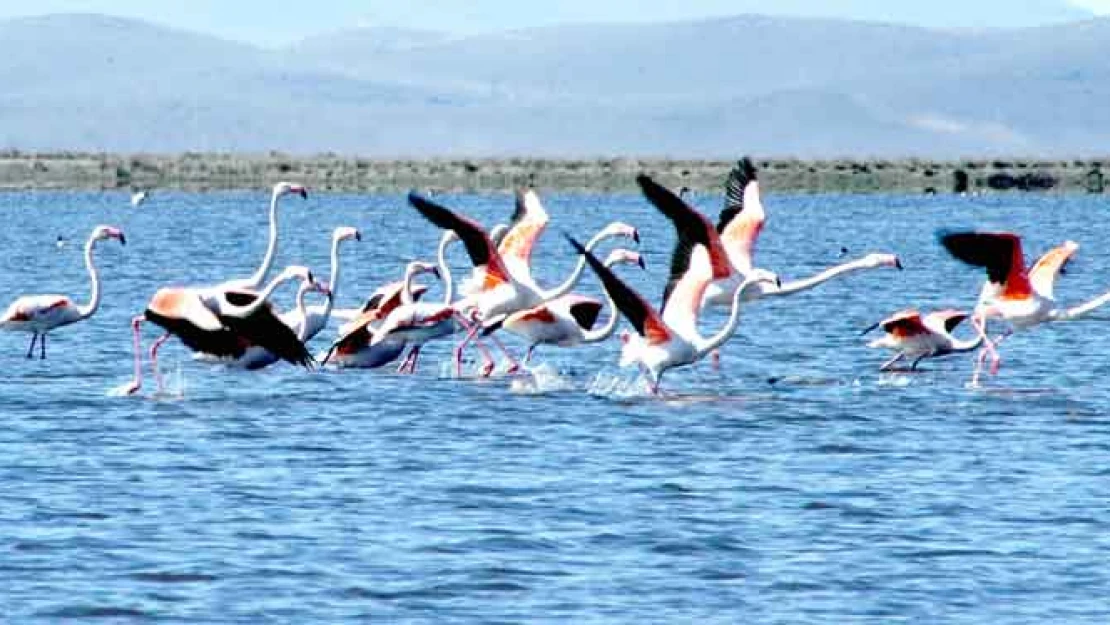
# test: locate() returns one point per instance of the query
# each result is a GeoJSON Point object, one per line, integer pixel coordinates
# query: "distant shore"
{"type": "Point", "coordinates": [327, 172]}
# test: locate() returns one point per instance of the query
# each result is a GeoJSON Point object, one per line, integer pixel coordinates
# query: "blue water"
{"type": "Point", "coordinates": [837, 495]}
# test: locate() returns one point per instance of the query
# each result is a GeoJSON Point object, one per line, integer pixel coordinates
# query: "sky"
{"type": "Point", "coordinates": [276, 22]}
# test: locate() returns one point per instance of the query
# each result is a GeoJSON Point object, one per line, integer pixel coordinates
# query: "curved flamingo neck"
{"type": "Point", "coordinates": [579, 267]}
{"type": "Point", "coordinates": [302, 311]}
{"type": "Point", "coordinates": [333, 280]}
{"type": "Point", "coordinates": [94, 299]}
{"type": "Point", "coordinates": [1076, 312]}
{"type": "Point", "coordinates": [968, 345]}
{"type": "Point", "coordinates": [605, 331]}
{"type": "Point", "coordinates": [445, 270]}
{"type": "Point", "coordinates": [704, 346]}
{"type": "Point", "coordinates": [797, 286]}
{"type": "Point", "coordinates": [406, 288]}
{"type": "Point", "coordinates": [259, 276]}
{"type": "Point", "coordinates": [263, 297]}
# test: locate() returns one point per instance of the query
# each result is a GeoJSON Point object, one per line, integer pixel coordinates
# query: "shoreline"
{"type": "Point", "coordinates": [23, 170]}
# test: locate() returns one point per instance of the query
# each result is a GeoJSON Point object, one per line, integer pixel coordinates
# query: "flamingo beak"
{"type": "Point", "coordinates": [636, 236]}
{"type": "Point", "coordinates": [641, 263]}
{"type": "Point", "coordinates": [898, 263]}
{"type": "Point", "coordinates": [301, 191]}
{"type": "Point", "coordinates": [122, 239]}
{"type": "Point", "coordinates": [358, 236]}
{"type": "Point", "coordinates": [435, 272]}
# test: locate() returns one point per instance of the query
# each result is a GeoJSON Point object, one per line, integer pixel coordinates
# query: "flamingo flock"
{"type": "Point", "coordinates": [234, 323]}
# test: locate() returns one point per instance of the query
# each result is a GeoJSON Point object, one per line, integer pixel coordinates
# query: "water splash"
{"type": "Point", "coordinates": [541, 380]}
{"type": "Point", "coordinates": [613, 386]}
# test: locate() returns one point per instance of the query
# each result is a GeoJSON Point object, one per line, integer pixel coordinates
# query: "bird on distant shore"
{"type": "Point", "coordinates": [138, 197]}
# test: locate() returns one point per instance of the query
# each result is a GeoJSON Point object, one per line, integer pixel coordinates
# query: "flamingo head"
{"type": "Point", "coordinates": [621, 229]}
{"type": "Point", "coordinates": [289, 188]}
{"type": "Point", "coordinates": [103, 233]}
{"type": "Point", "coordinates": [875, 261]}
{"type": "Point", "coordinates": [298, 272]}
{"type": "Point", "coordinates": [758, 275]}
{"type": "Point", "coordinates": [449, 236]}
{"type": "Point", "coordinates": [344, 233]}
{"type": "Point", "coordinates": [418, 267]}
{"type": "Point", "coordinates": [621, 255]}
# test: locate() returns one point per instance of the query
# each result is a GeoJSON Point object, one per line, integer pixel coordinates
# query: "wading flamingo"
{"type": "Point", "coordinates": [256, 281]}
{"type": "Point", "coordinates": [663, 342]}
{"type": "Point", "coordinates": [918, 337]}
{"type": "Point", "coordinates": [739, 226]}
{"type": "Point", "coordinates": [569, 320]}
{"type": "Point", "coordinates": [352, 348]}
{"type": "Point", "coordinates": [220, 322]}
{"type": "Point", "coordinates": [1023, 298]}
{"type": "Point", "coordinates": [315, 318]}
{"type": "Point", "coordinates": [40, 314]}
{"type": "Point", "coordinates": [257, 357]}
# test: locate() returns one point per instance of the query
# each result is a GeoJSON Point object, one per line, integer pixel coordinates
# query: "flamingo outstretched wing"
{"type": "Point", "coordinates": [528, 223]}
{"type": "Point", "coordinates": [265, 329]}
{"type": "Point", "coordinates": [742, 219]}
{"type": "Point", "coordinates": [644, 319]}
{"type": "Point", "coordinates": [999, 253]}
{"type": "Point", "coordinates": [481, 250]}
{"type": "Point", "coordinates": [1048, 267]}
{"type": "Point", "coordinates": [944, 321]}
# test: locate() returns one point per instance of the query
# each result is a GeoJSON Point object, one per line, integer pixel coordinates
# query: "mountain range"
{"type": "Point", "coordinates": [716, 87]}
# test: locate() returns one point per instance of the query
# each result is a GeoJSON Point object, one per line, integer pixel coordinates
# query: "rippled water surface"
{"type": "Point", "coordinates": [835, 494]}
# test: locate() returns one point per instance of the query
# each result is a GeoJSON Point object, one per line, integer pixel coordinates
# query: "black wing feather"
{"type": "Point", "coordinates": [628, 302]}
{"type": "Point", "coordinates": [953, 322]}
{"type": "Point", "coordinates": [743, 174]}
{"type": "Point", "coordinates": [691, 226]}
{"type": "Point", "coordinates": [222, 343]}
{"type": "Point", "coordinates": [585, 314]}
{"type": "Point", "coordinates": [265, 329]}
{"type": "Point", "coordinates": [478, 245]}
{"type": "Point", "coordinates": [992, 251]}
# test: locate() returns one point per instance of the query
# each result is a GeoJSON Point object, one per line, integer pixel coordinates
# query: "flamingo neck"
{"type": "Point", "coordinates": [263, 297]}
{"type": "Point", "coordinates": [259, 276]}
{"type": "Point", "coordinates": [704, 346]}
{"type": "Point", "coordinates": [333, 280]}
{"type": "Point", "coordinates": [94, 299]}
{"type": "Point", "coordinates": [406, 288]}
{"type": "Point", "coordinates": [1076, 312]}
{"type": "Point", "coordinates": [302, 311]}
{"type": "Point", "coordinates": [445, 270]}
{"type": "Point", "coordinates": [968, 345]}
{"type": "Point", "coordinates": [797, 286]}
{"type": "Point", "coordinates": [579, 267]}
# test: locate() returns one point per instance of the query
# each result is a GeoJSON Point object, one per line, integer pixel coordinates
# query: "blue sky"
{"type": "Point", "coordinates": [280, 21]}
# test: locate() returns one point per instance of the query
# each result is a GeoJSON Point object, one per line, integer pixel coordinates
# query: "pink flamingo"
{"type": "Point", "coordinates": [40, 314]}
{"type": "Point", "coordinates": [220, 322]}
{"type": "Point", "coordinates": [912, 335]}
{"type": "Point", "coordinates": [1023, 298]}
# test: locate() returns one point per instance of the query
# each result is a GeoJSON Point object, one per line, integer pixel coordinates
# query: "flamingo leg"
{"type": "Point", "coordinates": [137, 343]}
{"type": "Point", "coordinates": [154, 359]}
{"type": "Point", "coordinates": [472, 335]}
{"type": "Point", "coordinates": [42, 346]}
{"type": "Point", "coordinates": [31, 349]}
{"type": "Point", "coordinates": [890, 363]}
{"type": "Point", "coordinates": [414, 355]}
{"type": "Point", "coordinates": [997, 362]}
{"type": "Point", "coordinates": [514, 365]}
{"type": "Point", "coordinates": [528, 354]}
{"type": "Point", "coordinates": [916, 361]}
{"type": "Point", "coordinates": [980, 323]}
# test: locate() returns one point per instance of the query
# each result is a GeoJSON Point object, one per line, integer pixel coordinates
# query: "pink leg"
{"type": "Point", "coordinates": [137, 343]}
{"type": "Point", "coordinates": [472, 335]}
{"type": "Point", "coordinates": [528, 354]}
{"type": "Point", "coordinates": [154, 359]}
{"type": "Point", "coordinates": [998, 358]}
{"type": "Point", "coordinates": [514, 366]}
{"type": "Point", "coordinates": [414, 355]}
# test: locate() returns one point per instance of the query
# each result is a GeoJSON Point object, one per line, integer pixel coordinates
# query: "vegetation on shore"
{"type": "Point", "coordinates": [330, 172]}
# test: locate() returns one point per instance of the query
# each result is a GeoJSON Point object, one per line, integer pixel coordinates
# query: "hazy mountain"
{"type": "Point", "coordinates": [776, 86]}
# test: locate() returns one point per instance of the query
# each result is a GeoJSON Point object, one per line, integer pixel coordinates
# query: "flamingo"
{"type": "Point", "coordinates": [352, 348]}
{"type": "Point", "coordinates": [669, 340]}
{"type": "Point", "coordinates": [258, 357]}
{"type": "Point", "coordinates": [256, 281]}
{"type": "Point", "coordinates": [568, 321]}
{"type": "Point", "coordinates": [1023, 298]}
{"type": "Point", "coordinates": [222, 322]}
{"type": "Point", "coordinates": [912, 335]}
{"type": "Point", "coordinates": [40, 314]}
{"type": "Point", "coordinates": [418, 323]}
{"type": "Point", "coordinates": [493, 290]}
{"type": "Point", "coordinates": [315, 318]}
{"type": "Point", "coordinates": [739, 226]}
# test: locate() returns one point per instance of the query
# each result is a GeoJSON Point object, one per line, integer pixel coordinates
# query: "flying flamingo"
{"type": "Point", "coordinates": [568, 320]}
{"type": "Point", "coordinates": [912, 335]}
{"type": "Point", "coordinates": [315, 318]}
{"type": "Point", "coordinates": [352, 348]}
{"type": "Point", "coordinates": [1023, 298]}
{"type": "Point", "coordinates": [739, 226]}
{"type": "Point", "coordinates": [40, 314]}
{"type": "Point", "coordinates": [256, 281]}
{"type": "Point", "coordinates": [494, 290]}
{"type": "Point", "coordinates": [670, 340]}
{"type": "Point", "coordinates": [220, 322]}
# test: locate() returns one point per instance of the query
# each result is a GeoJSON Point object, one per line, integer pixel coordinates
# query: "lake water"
{"type": "Point", "coordinates": [836, 495]}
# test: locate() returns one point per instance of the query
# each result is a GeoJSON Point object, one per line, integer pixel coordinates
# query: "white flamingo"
{"type": "Point", "coordinates": [315, 318]}
{"type": "Point", "coordinates": [41, 314]}
{"type": "Point", "coordinates": [917, 337]}
{"type": "Point", "coordinates": [256, 356]}
{"type": "Point", "coordinates": [256, 281]}
{"type": "Point", "coordinates": [568, 321]}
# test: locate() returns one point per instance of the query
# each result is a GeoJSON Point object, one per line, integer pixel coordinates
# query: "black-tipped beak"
{"type": "Point", "coordinates": [435, 272]}
{"type": "Point", "coordinates": [636, 236]}
{"type": "Point", "coordinates": [122, 239]}
{"type": "Point", "coordinates": [358, 236]}
{"type": "Point", "coordinates": [898, 264]}
{"type": "Point", "coordinates": [303, 193]}
{"type": "Point", "coordinates": [778, 282]}
{"type": "Point", "coordinates": [641, 263]}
